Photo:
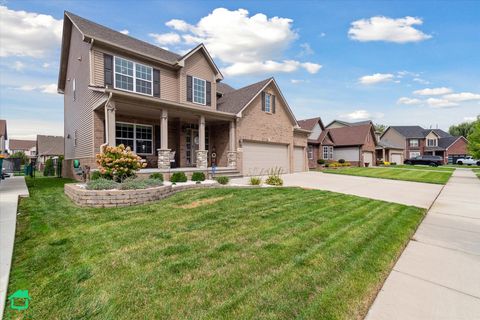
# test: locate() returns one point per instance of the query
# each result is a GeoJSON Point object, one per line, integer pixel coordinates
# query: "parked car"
{"type": "Point", "coordinates": [468, 161]}
{"type": "Point", "coordinates": [428, 160]}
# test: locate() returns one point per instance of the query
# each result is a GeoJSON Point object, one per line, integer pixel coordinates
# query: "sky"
{"type": "Point", "coordinates": [396, 63]}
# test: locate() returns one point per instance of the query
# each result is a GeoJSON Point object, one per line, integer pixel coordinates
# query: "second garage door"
{"type": "Point", "coordinates": [259, 158]}
{"type": "Point", "coordinates": [397, 158]}
{"type": "Point", "coordinates": [299, 159]}
{"type": "Point", "coordinates": [368, 158]}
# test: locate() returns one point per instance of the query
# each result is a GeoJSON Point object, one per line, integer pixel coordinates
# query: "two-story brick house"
{"type": "Point", "coordinates": [173, 110]}
{"type": "Point", "coordinates": [417, 141]}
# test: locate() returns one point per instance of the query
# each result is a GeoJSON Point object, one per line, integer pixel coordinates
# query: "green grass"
{"type": "Point", "coordinates": [428, 176]}
{"type": "Point", "coordinates": [462, 166]}
{"type": "Point", "coordinates": [423, 167]}
{"type": "Point", "coordinates": [266, 253]}
{"type": "Point", "coordinates": [477, 172]}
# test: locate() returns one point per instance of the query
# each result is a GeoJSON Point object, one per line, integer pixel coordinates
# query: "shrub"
{"type": "Point", "coordinates": [347, 164]}
{"type": "Point", "coordinates": [321, 161]}
{"type": "Point", "coordinates": [21, 155]}
{"type": "Point", "coordinates": [255, 181]}
{"type": "Point", "coordinates": [223, 180]}
{"type": "Point", "coordinates": [327, 165]}
{"type": "Point", "coordinates": [198, 176]}
{"type": "Point", "coordinates": [95, 175]}
{"type": "Point", "coordinates": [273, 178]}
{"type": "Point", "coordinates": [136, 183]}
{"type": "Point", "coordinates": [341, 161]}
{"type": "Point", "coordinates": [49, 169]}
{"type": "Point", "coordinates": [393, 163]}
{"type": "Point", "coordinates": [178, 177]}
{"type": "Point", "coordinates": [59, 166]}
{"type": "Point", "coordinates": [119, 162]}
{"type": "Point", "coordinates": [333, 165]}
{"type": "Point", "coordinates": [101, 184]}
{"type": "Point", "coordinates": [157, 176]}
{"type": "Point", "coordinates": [386, 163]}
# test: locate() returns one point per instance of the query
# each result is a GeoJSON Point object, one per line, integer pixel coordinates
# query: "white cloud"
{"type": "Point", "coordinates": [125, 31]}
{"type": "Point", "coordinates": [376, 78]}
{"type": "Point", "coordinates": [440, 103]}
{"type": "Point", "coordinates": [28, 33]}
{"type": "Point", "coordinates": [358, 115]}
{"type": "Point", "coordinates": [421, 81]}
{"type": "Point", "coordinates": [45, 88]}
{"type": "Point", "coordinates": [46, 65]}
{"type": "Point", "coordinates": [387, 29]}
{"type": "Point", "coordinates": [18, 65]}
{"type": "Point", "coordinates": [28, 128]}
{"type": "Point", "coordinates": [323, 34]}
{"type": "Point", "coordinates": [245, 44]}
{"type": "Point", "coordinates": [297, 81]}
{"type": "Point", "coordinates": [433, 91]}
{"type": "Point", "coordinates": [409, 101]}
{"type": "Point", "coordinates": [469, 119]}
{"type": "Point", "coordinates": [306, 49]}
{"type": "Point", "coordinates": [462, 96]}
{"type": "Point", "coordinates": [166, 38]}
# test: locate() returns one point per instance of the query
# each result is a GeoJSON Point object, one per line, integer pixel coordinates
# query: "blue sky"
{"type": "Point", "coordinates": [397, 63]}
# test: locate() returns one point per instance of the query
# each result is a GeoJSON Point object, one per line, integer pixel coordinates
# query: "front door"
{"type": "Point", "coordinates": [192, 142]}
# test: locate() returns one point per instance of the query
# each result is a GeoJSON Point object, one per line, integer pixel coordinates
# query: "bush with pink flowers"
{"type": "Point", "coordinates": [118, 163]}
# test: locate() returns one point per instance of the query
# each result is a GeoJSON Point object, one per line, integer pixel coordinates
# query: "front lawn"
{"type": "Point", "coordinates": [423, 167]}
{"type": "Point", "coordinates": [266, 253]}
{"type": "Point", "coordinates": [477, 172]}
{"type": "Point", "coordinates": [429, 176]}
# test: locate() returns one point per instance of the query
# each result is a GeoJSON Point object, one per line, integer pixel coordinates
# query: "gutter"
{"type": "Point", "coordinates": [107, 138]}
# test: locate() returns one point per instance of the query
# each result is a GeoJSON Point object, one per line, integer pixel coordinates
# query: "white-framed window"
{"type": "Point", "coordinates": [432, 142]}
{"type": "Point", "coordinates": [132, 76]}
{"type": "Point", "coordinates": [139, 137]}
{"type": "Point", "coordinates": [413, 142]}
{"type": "Point", "coordinates": [310, 152]}
{"type": "Point", "coordinates": [74, 89]}
{"type": "Point", "coordinates": [199, 91]}
{"type": "Point", "coordinates": [414, 154]}
{"type": "Point", "coordinates": [268, 102]}
{"type": "Point", "coordinates": [327, 152]}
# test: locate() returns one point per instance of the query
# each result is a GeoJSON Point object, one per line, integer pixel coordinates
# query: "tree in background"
{"type": "Point", "coordinates": [380, 127]}
{"type": "Point", "coordinates": [474, 139]}
{"type": "Point", "coordinates": [462, 129]}
{"type": "Point", "coordinates": [21, 155]}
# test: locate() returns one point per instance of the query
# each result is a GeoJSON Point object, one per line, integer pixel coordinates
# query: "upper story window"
{"type": "Point", "coordinates": [413, 142]}
{"type": "Point", "coordinates": [133, 76]}
{"type": "Point", "coordinates": [268, 102]}
{"type": "Point", "coordinates": [74, 89]}
{"type": "Point", "coordinates": [199, 91]}
{"type": "Point", "coordinates": [432, 142]}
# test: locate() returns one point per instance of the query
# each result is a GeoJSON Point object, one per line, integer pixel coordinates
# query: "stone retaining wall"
{"type": "Point", "coordinates": [121, 198]}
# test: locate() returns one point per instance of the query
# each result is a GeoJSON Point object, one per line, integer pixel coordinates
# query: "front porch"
{"type": "Point", "coordinates": [168, 137]}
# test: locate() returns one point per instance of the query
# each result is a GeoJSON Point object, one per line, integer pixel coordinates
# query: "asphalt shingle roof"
{"type": "Point", "coordinates": [50, 145]}
{"type": "Point", "coordinates": [410, 131]}
{"type": "Point", "coordinates": [102, 33]}
{"type": "Point", "coordinates": [350, 136]}
{"type": "Point", "coordinates": [14, 144]}
{"type": "Point", "coordinates": [446, 141]}
{"type": "Point", "coordinates": [3, 128]}
{"type": "Point", "coordinates": [308, 124]}
{"type": "Point", "coordinates": [224, 88]}
{"type": "Point", "coordinates": [234, 101]}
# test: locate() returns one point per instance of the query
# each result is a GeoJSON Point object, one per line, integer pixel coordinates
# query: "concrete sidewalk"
{"type": "Point", "coordinates": [438, 274]}
{"type": "Point", "coordinates": [10, 190]}
{"type": "Point", "coordinates": [405, 192]}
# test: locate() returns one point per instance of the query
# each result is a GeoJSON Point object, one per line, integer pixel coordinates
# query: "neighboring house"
{"type": "Point", "coordinates": [352, 142]}
{"type": "Point", "coordinates": [3, 136]}
{"type": "Point", "coordinates": [172, 110]}
{"type": "Point", "coordinates": [417, 141]}
{"type": "Point", "coordinates": [48, 147]}
{"type": "Point", "coordinates": [29, 147]}
{"type": "Point", "coordinates": [342, 124]}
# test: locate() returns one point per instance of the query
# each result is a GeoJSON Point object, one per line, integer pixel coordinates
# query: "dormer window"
{"type": "Point", "coordinates": [199, 91]}
{"type": "Point", "coordinates": [432, 142]}
{"type": "Point", "coordinates": [268, 102]}
{"type": "Point", "coordinates": [132, 76]}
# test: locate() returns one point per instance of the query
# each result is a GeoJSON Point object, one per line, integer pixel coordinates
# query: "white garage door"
{"type": "Point", "coordinates": [397, 158]}
{"type": "Point", "coordinates": [368, 158]}
{"type": "Point", "coordinates": [299, 159]}
{"type": "Point", "coordinates": [347, 154]}
{"type": "Point", "coordinates": [258, 158]}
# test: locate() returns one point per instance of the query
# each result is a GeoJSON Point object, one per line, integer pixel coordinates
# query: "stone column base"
{"type": "Point", "coordinates": [163, 158]}
{"type": "Point", "coordinates": [232, 159]}
{"type": "Point", "coordinates": [202, 159]}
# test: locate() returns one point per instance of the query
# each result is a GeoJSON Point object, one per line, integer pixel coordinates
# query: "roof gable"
{"type": "Point", "coordinates": [15, 144]}
{"type": "Point", "coordinates": [309, 124]}
{"type": "Point", "coordinates": [351, 136]}
{"type": "Point", "coordinates": [50, 145]}
{"type": "Point", "coordinates": [201, 48]}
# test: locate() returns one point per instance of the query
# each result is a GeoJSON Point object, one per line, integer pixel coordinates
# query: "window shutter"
{"type": "Point", "coordinates": [208, 93]}
{"type": "Point", "coordinates": [263, 101]}
{"type": "Point", "coordinates": [189, 88]}
{"type": "Point", "coordinates": [273, 103]}
{"type": "Point", "coordinates": [156, 83]}
{"type": "Point", "coordinates": [108, 69]}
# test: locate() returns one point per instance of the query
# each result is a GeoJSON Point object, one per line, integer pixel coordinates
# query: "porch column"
{"type": "Point", "coordinates": [110, 123]}
{"type": "Point", "coordinates": [231, 154]}
{"type": "Point", "coordinates": [164, 152]}
{"type": "Point", "coordinates": [383, 155]}
{"type": "Point", "coordinates": [202, 154]}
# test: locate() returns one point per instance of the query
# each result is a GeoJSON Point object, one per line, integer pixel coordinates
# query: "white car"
{"type": "Point", "coordinates": [468, 161]}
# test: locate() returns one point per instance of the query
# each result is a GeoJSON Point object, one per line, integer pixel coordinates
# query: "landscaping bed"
{"type": "Point", "coordinates": [427, 176]}
{"type": "Point", "coordinates": [220, 253]}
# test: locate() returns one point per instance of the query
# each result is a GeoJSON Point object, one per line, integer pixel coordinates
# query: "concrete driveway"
{"type": "Point", "coordinates": [410, 193]}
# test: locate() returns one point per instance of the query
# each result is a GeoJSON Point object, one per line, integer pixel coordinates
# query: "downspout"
{"type": "Point", "coordinates": [107, 138]}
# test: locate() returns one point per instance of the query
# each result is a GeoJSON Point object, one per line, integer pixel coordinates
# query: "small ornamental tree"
{"type": "Point", "coordinates": [118, 163]}
{"type": "Point", "coordinates": [474, 140]}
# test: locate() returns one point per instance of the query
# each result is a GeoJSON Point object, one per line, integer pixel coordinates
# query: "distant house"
{"type": "Point", "coordinates": [3, 136]}
{"type": "Point", "coordinates": [27, 146]}
{"type": "Point", "coordinates": [417, 141]}
{"type": "Point", "coordinates": [48, 147]}
{"type": "Point", "coordinates": [352, 142]}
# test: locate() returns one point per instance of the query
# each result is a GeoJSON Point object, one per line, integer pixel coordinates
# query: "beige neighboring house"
{"type": "Point", "coordinates": [173, 110]}
{"type": "Point", "coordinates": [49, 147]}
{"type": "Point", "coordinates": [3, 136]}
{"type": "Point", "coordinates": [29, 147]}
